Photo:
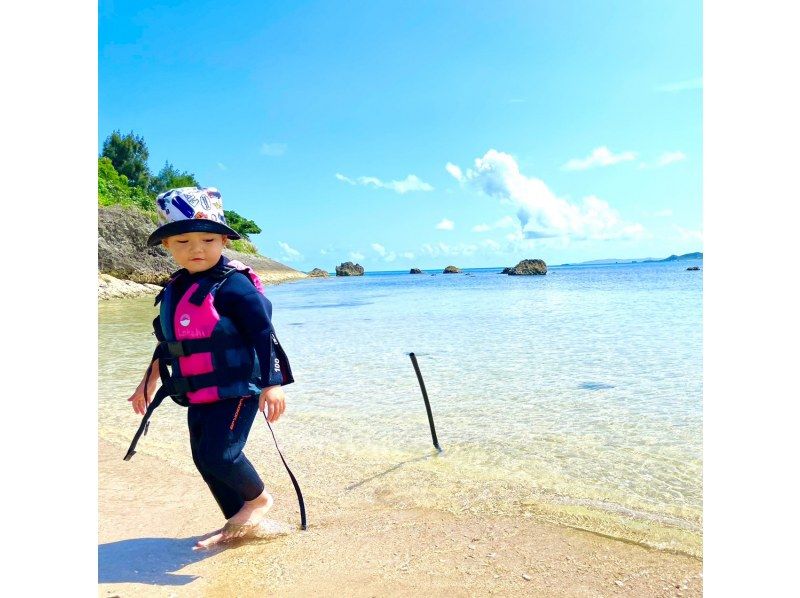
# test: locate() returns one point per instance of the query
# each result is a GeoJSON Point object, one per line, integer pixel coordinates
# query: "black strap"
{"type": "Point", "coordinates": [180, 385]}
{"type": "Point", "coordinates": [291, 475]}
{"type": "Point", "coordinates": [210, 283]}
{"type": "Point", "coordinates": [171, 349]}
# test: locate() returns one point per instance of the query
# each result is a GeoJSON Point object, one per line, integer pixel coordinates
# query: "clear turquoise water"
{"type": "Point", "coordinates": [575, 397]}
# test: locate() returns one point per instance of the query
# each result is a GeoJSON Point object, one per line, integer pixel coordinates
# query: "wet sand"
{"type": "Point", "coordinates": [151, 514]}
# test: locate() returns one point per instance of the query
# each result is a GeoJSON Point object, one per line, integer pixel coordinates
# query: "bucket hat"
{"type": "Point", "coordinates": [190, 210]}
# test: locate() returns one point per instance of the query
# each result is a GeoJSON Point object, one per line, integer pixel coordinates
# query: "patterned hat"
{"type": "Point", "coordinates": [190, 210]}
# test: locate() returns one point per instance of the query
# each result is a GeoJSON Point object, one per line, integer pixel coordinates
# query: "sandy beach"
{"type": "Point", "coordinates": [151, 513]}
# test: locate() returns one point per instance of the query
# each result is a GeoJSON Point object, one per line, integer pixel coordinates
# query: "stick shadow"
{"type": "Point", "coordinates": [392, 468]}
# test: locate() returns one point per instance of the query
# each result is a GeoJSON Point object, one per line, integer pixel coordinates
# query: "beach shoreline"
{"type": "Point", "coordinates": [151, 513]}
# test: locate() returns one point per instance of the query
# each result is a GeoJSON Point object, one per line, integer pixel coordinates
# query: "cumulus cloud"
{"type": "Point", "coordinates": [445, 224]}
{"type": "Point", "coordinates": [289, 253]}
{"type": "Point", "coordinates": [390, 257]}
{"type": "Point", "coordinates": [379, 248]}
{"type": "Point", "coordinates": [601, 156]}
{"type": "Point", "coordinates": [540, 212]}
{"type": "Point", "coordinates": [411, 183]}
{"type": "Point", "coordinates": [273, 149]}
{"type": "Point", "coordinates": [408, 254]}
{"type": "Point", "coordinates": [355, 256]}
{"type": "Point", "coordinates": [687, 85]}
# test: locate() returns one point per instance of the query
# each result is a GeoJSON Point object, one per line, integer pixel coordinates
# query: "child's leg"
{"type": "Point", "coordinates": [219, 448]}
{"type": "Point", "coordinates": [227, 498]}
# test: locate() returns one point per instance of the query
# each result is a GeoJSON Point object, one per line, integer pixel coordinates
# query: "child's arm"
{"type": "Point", "coordinates": [139, 398]}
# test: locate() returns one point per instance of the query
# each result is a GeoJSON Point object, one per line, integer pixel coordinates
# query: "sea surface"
{"type": "Point", "coordinates": [574, 397]}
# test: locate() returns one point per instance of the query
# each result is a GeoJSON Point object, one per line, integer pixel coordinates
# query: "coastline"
{"type": "Point", "coordinates": [364, 544]}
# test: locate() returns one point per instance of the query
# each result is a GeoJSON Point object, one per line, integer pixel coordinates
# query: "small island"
{"type": "Point", "coordinates": [349, 269]}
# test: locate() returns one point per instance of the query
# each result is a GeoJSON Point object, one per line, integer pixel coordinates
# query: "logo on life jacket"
{"type": "Point", "coordinates": [185, 321]}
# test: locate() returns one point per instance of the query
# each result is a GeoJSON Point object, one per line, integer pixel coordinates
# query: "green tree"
{"type": "Point", "coordinates": [113, 188]}
{"type": "Point", "coordinates": [241, 225]}
{"type": "Point", "coordinates": [170, 177]}
{"type": "Point", "coordinates": [129, 155]}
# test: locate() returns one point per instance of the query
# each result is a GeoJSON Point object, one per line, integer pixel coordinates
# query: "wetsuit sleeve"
{"type": "Point", "coordinates": [251, 313]}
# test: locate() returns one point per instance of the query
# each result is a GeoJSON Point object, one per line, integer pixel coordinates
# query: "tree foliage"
{"type": "Point", "coordinates": [129, 156]}
{"type": "Point", "coordinates": [241, 225]}
{"type": "Point", "coordinates": [124, 178]}
{"type": "Point", "coordinates": [113, 188]}
{"type": "Point", "coordinates": [170, 177]}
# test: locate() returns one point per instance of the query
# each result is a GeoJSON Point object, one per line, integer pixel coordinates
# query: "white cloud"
{"type": "Point", "coordinates": [445, 224]}
{"type": "Point", "coordinates": [670, 157]}
{"type": "Point", "coordinates": [408, 254]}
{"type": "Point", "coordinates": [689, 235]}
{"type": "Point", "coordinates": [221, 166]}
{"type": "Point", "coordinates": [689, 84]}
{"type": "Point", "coordinates": [663, 213]}
{"type": "Point", "coordinates": [390, 257]}
{"type": "Point", "coordinates": [379, 248]}
{"type": "Point", "coordinates": [273, 149]}
{"type": "Point", "coordinates": [504, 222]}
{"type": "Point", "coordinates": [491, 244]}
{"type": "Point", "coordinates": [541, 214]}
{"type": "Point", "coordinates": [355, 256]}
{"type": "Point", "coordinates": [437, 249]}
{"type": "Point", "coordinates": [601, 156]}
{"type": "Point", "coordinates": [454, 170]}
{"type": "Point", "coordinates": [665, 159]}
{"type": "Point", "coordinates": [411, 183]}
{"type": "Point", "coordinates": [289, 253]}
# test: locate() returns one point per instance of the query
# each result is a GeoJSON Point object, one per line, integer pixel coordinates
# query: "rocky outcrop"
{"type": "Point", "coordinates": [451, 270]}
{"type": "Point", "coordinates": [318, 273]}
{"type": "Point", "coordinates": [109, 287]}
{"type": "Point", "coordinates": [415, 271]}
{"type": "Point", "coordinates": [528, 268]}
{"type": "Point", "coordinates": [122, 248]}
{"type": "Point", "coordinates": [122, 251]}
{"type": "Point", "coordinates": [693, 268]}
{"type": "Point", "coordinates": [506, 270]}
{"type": "Point", "coordinates": [349, 269]}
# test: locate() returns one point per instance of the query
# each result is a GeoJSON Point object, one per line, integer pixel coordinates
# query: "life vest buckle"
{"type": "Point", "coordinates": [176, 348]}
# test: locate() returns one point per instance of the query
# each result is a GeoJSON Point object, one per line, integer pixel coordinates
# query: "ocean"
{"type": "Point", "coordinates": [574, 398]}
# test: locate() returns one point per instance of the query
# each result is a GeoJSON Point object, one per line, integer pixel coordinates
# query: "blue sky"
{"type": "Point", "coordinates": [410, 134]}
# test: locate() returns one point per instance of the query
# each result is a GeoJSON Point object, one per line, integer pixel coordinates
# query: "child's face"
{"type": "Point", "coordinates": [196, 251]}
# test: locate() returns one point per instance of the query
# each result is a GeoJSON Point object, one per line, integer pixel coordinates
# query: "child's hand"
{"type": "Point", "coordinates": [275, 401]}
{"type": "Point", "coordinates": [138, 399]}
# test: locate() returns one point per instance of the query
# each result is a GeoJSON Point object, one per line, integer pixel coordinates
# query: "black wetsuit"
{"type": "Point", "coordinates": [218, 431]}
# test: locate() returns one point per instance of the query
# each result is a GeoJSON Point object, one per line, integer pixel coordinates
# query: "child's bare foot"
{"type": "Point", "coordinates": [243, 523]}
{"type": "Point", "coordinates": [213, 539]}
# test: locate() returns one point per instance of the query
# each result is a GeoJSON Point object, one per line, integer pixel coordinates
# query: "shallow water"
{"type": "Point", "coordinates": [574, 397]}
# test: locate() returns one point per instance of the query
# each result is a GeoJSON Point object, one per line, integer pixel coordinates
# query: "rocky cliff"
{"type": "Point", "coordinates": [122, 252]}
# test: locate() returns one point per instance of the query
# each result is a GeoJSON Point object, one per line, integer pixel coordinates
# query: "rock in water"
{"type": "Point", "coordinates": [349, 269]}
{"type": "Point", "coordinates": [693, 268]}
{"type": "Point", "coordinates": [451, 270]}
{"type": "Point", "coordinates": [318, 272]}
{"type": "Point", "coordinates": [528, 268]}
{"type": "Point", "coordinates": [415, 271]}
{"type": "Point", "coordinates": [505, 271]}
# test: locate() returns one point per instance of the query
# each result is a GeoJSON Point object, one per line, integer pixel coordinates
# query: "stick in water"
{"type": "Point", "coordinates": [427, 402]}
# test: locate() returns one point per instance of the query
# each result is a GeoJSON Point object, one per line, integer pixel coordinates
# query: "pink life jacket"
{"type": "Point", "coordinates": [210, 360]}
